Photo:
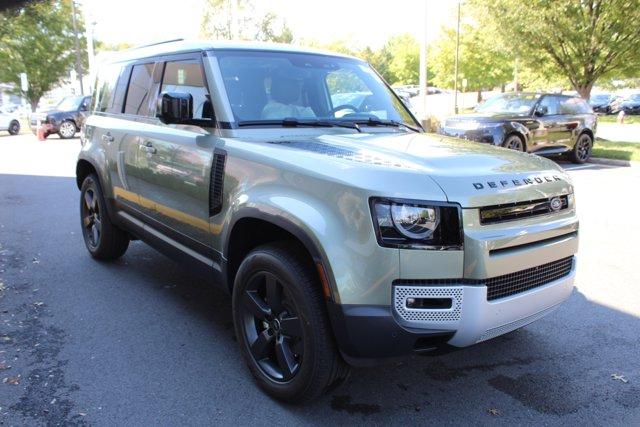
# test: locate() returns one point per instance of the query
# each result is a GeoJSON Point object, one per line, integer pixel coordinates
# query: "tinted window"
{"type": "Point", "coordinates": [105, 86]}
{"type": "Point", "coordinates": [137, 100]}
{"type": "Point", "coordinates": [552, 104]}
{"type": "Point", "coordinates": [574, 106]}
{"type": "Point", "coordinates": [264, 86]}
{"type": "Point", "coordinates": [186, 77]}
{"type": "Point", "coordinates": [509, 103]}
{"type": "Point", "coordinates": [119, 92]}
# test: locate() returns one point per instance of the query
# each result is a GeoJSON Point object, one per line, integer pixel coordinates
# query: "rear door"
{"type": "Point", "coordinates": [176, 159]}
{"type": "Point", "coordinates": [550, 127]}
{"type": "Point", "coordinates": [574, 111]}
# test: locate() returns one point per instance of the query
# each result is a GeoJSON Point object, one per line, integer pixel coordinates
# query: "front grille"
{"type": "Point", "coordinates": [513, 211]}
{"type": "Point", "coordinates": [520, 281]}
{"type": "Point", "coordinates": [508, 284]}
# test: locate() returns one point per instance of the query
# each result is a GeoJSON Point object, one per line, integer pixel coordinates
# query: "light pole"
{"type": "Point", "coordinates": [423, 72]}
{"type": "Point", "coordinates": [77, 42]}
{"type": "Point", "coordinates": [455, 83]}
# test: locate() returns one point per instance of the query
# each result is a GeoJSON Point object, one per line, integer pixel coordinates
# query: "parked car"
{"type": "Point", "coordinates": [65, 119]}
{"type": "Point", "coordinates": [545, 124]}
{"type": "Point", "coordinates": [601, 102]}
{"type": "Point", "coordinates": [9, 122]}
{"type": "Point", "coordinates": [345, 235]}
{"type": "Point", "coordinates": [631, 104]}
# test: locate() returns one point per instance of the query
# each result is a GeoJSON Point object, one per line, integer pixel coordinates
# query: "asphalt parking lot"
{"type": "Point", "coordinates": [144, 342]}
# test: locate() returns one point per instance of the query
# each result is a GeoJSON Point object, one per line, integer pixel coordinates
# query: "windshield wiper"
{"type": "Point", "coordinates": [293, 122]}
{"type": "Point", "coordinates": [393, 123]}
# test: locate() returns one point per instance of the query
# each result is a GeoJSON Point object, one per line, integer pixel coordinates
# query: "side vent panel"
{"type": "Point", "coordinates": [216, 183]}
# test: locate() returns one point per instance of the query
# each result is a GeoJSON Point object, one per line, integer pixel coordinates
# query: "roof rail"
{"type": "Point", "coordinates": [154, 44]}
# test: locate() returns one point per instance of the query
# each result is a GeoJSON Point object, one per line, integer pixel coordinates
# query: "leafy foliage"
{"type": "Point", "coordinates": [37, 39]}
{"type": "Point", "coordinates": [584, 40]}
{"type": "Point", "coordinates": [217, 23]}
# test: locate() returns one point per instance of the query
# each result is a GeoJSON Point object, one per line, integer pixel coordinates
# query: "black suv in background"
{"type": "Point", "coordinates": [65, 119]}
{"type": "Point", "coordinates": [545, 124]}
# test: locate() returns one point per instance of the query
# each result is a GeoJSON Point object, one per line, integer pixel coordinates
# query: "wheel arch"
{"type": "Point", "coordinates": [521, 131]}
{"type": "Point", "coordinates": [253, 227]}
{"type": "Point", "coordinates": [83, 169]}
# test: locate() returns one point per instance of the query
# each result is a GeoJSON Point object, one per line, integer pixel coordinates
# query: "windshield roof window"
{"type": "Point", "coordinates": [509, 103]}
{"type": "Point", "coordinates": [267, 86]}
{"type": "Point", "coordinates": [69, 103]}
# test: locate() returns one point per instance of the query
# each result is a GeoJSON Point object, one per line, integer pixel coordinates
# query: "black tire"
{"type": "Point", "coordinates": [581, 151]}
{"type": "Point", "coordinates": [14, 127]}
{"type": "Point", "coordinates": [102, 238]}
{"type": "Point", "coordinates": [67, 129]}
{"type": "Point", "coordinates": [290, 326]}
{"type": "Point", "coordinates": [514, 142]}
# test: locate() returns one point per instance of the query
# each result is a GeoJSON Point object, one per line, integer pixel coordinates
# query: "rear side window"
{"type": "Point", "coordinates": [574, 106]}
{"type": "Point", "coordinates": [110, 88]}
{"type": "Point", "coordinates": [137, 100]}
{"type": "Point", "coordinates": [186, 77]}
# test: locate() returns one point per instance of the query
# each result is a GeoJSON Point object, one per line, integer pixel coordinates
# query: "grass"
{"type": "Point", "coordinates": [614, 119]}
{"type": "Point", "coordinates": [616, 150]}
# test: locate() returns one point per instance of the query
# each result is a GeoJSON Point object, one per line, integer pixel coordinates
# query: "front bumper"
{"type": "Point", "coordinates": [369, 333]}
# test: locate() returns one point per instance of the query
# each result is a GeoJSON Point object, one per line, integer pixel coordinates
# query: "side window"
{"type": "Point", "coordinates": [186, 77]}
{"type": "Point", "coordinates": [119, 92]}
{"type": "Point", "coordinates": [137, 99]}
{"type": "Point", "coordinates": [105, 87]}
{"type": "Point", "coordinates": [574, 106]}
{"type": "Point", "coordinates": [551, 102]}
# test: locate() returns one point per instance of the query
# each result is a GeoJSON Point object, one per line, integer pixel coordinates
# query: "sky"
{"type": "Point", "coordinates": [363, 22]}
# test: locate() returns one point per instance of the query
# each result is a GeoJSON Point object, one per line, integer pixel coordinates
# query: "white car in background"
{"type": "Point", "coordinates": [9, 122]}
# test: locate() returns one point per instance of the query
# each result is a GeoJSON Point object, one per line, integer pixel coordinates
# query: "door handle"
{"type": "Point", "coordinates": [107, 137]}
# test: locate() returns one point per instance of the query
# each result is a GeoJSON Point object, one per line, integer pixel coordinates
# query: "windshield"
{"type": "Point", "coordinates": [265, 87]}
{"type": "Point", "coordinates": [599, 98]}
{"type": "Point", "coordinates": [634, 97]}
{"type": "Point", "coordinates": [511, 103]}
{"type": "Point", "coordinates": [69, 103]}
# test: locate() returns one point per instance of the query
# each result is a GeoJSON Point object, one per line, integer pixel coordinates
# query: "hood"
{"type": "Point", "coordinates": [484, 118]}
{"type": "Point", "coordinates": [469, 173]}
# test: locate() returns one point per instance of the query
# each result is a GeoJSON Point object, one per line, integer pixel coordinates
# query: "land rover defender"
{"type": "Point", "coordinates": [301, 184]}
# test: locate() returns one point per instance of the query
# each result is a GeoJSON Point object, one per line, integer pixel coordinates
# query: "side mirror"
{"type": "Point", "coordinates": [542, 110]}
{"type": "Point", "coordinates": [175, 107]}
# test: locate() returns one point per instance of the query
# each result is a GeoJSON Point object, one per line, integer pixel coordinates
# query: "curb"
{"type": "Point", "coordinates": [614, 162]}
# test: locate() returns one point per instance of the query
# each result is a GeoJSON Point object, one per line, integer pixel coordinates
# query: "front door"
{"type": "Point", "coordinates": [177, 159]}
{"type": "Point", "coordinates": [551, 126]}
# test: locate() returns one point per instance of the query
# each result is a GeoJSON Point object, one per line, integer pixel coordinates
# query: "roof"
{"type": "Point", "coordinates": [177, 46]}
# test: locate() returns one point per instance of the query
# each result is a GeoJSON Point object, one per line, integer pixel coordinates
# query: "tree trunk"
{"type": "Point", "coordinates": [34, 103]}
{"type": "Point", "coordinates": [502, 88]}
{"type": "Point", "coordinates": [584, 89]}
{"type": "Point", "coordinates": [479, 99]}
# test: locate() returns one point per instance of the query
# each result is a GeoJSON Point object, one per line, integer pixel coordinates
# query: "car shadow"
{"type": "Point", "coordinates": [555, 371]}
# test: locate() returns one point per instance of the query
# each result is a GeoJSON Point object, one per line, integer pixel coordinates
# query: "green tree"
{"type": "Point", "coordinates": [38, 39]}
{"type": "Point", "coordinates": [403, 56]}
{"type": "Point", "coordinates": [481, 61]}
{"type": "Point", "coordinates": [217, 23]}
{"type": "Point", "coordinates": [585, 40]}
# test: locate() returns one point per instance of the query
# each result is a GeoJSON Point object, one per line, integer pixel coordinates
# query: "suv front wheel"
{"type": "Point", "coordinates": [67, 129]}
{"type": "Point", "coordinates": [282, 326]}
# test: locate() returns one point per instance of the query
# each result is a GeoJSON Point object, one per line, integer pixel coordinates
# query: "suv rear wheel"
{"type": "Point", "coordinates": [14, 127]}
{"type": "Point", "coordinates": [582, 149]}
{"type": "Point", "coordinates": [67, 129]}
{"type": "Point", "coordinates": [103, 239]}
{"type": "Point", "coordinates": [282, 326]}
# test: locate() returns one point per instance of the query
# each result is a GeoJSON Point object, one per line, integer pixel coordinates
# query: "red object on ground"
{"type": "Point", "coordinates": [41, 136]}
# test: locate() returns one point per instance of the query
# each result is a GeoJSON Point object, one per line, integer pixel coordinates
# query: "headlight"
{"type": "Point", "coordinates": [416, 224]}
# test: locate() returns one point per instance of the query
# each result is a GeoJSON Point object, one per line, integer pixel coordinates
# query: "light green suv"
{"type": "Point", "coordinates": [301, 183]}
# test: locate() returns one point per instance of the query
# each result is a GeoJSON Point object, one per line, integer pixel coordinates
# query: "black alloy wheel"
{"type": "Point", "coordinates": [513, 142]}
{"type": "Point", "coordinates": [282, 326]}
{"type": "Point", "coordinates": [272, 328]}
{"type": "Point", "coordinates": [103, 239]}
{"type": "Point", "coordinates": [582, 150]}
{"type": "Point", "coordinates": [91, 218]}
{"type": "Point", "coordinates": [14, 127]}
